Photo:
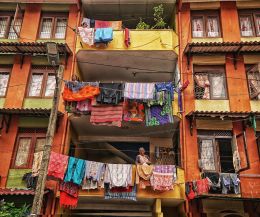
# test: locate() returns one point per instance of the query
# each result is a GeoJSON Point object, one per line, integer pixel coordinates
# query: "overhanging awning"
{"type": "Point", "coordinates": [35, 112]}
{"type": "Point", "coordinates": [31, 48]}
{"type": "Point", "coordinates": [222, 47]}
{"type": "Point", "coordinates": [127, 66]}
{"type": "Point", "coordinates": [220, 115]}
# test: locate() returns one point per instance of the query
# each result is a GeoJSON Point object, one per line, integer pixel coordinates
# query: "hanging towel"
{"type": "Point", "coordinates": [133, 111]}
{"type": "Point", "coordinates": [120, 193]}
{"type": "Point", "coordinates": [37, 160]}
{"type": "Point", "coordinates": [69, 194]}
{"type": "Point", "coordinates": [86, 22]}
{"type": "Point", "coordinates": [143, 175]}
{"type": "Point", "coordinates": [166, 87]}
{"type": "Point", "coordinates": [86, 92]}
{"type": "Point", "coordinates": [139, 90]}
{"type": "Point", "coordinates": [103, 35]}
{"type": "Point", "coordinates": [115, 25]}
{"type": "Point", "coordinates": [110, 93]}
{"type": "Point", "coordinates": [127, 37]}
{"type": "Point", "coordinates": [235, 182]}
{"type": "Point", "coordinates": [57, 165]}
{"type": "Point", "coordinates": [84, 106]}
{"type": "Point", "coordinates": [226, 182]}
{"type": "Point", "coordinates": [87, 35]}
{"type": "Point", "coordinates": [76, 170]}
{"type": "Point", "coordinates": [202, 186]}
{"type": "Point", "coordinates": [162, 177]}
{"type": "Point", "coordinates": [107, 115]}
{"type": "Point", "coordinates": [159, 115]}
{"type": "Point", "coordinates": [118, 175]}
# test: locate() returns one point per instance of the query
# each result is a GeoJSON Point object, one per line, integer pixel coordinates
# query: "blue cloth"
{"type": "Point", "coordinates": [165, 86]}
{"type": "Point", "coordinates": [235, 183]}
{"type": "Point", "coordinates": [103, 35]}
{"type": "Point", "coordinates": [226, 183]}
{"type": "Point", "coordinates": [76, 171]}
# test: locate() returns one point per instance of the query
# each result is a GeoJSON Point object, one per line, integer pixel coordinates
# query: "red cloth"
{"type": "Point", "coordinates": [203, 186]}
{"type": "Point", "coordinates": [57, 165]}
{"type": "Point", "coordinates": [107, 115]}
{"type": "Point", "coordinates": [87, 92]}
{"type": "Point", "coordinates": [121, 189]}
{"type": "Point", "coordinates": [127, 37]}
{"type": "Point", "coordinates": [67, 200]}
{"type": "Point", "coordinates": [115, 25]}
{"type": "Point", "coordinates": [191, 194]}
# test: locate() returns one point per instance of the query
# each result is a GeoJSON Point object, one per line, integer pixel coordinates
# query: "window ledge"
{"type": "Point", "coordinates": [195, 40]}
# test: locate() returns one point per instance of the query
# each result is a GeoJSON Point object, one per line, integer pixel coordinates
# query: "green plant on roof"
{"type": "Point", "coordinates": [8, 209]}
{"type": "Point", "coordinates": [157, 17]}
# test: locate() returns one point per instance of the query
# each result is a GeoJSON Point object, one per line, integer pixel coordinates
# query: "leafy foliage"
{"type": "Point", "coordinates": [157, 17]}
{"type": "Point", "coordinates": [10, 210]}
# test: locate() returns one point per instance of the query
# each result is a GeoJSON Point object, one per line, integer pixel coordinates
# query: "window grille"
{"type": "Point", "coordinates": [46, 28]}
{"type": "Point", "coordinates": [61, 25]}
{"type": "Point", "coordinates": [17, 26]}
{"type": "Point", "coordinates": [219, 133]}
{"type": "Point", "coordinates": [3, 26]}
{"type": "Point", "coordinates": [254, 84]}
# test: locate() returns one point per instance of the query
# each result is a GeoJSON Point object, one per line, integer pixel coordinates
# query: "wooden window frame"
{"type": "Point", "coordinates": [215, 148]}
{"type": "Point", "coordinates": [33, 137]}
{"type": "Point", "coordinates": [6, 71]}
{"type": "Point", "coordinates": [211, 70]}
{"type": "Point", "coordinates": [45, 73]}
{"type": "Point", "coordinates": [54, 18]}
{"type": "Point", "coordinates": [205, 15]}
{"type": "Point", "coordinates": [252, 14]}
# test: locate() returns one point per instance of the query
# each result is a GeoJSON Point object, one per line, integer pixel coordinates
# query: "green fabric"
{"type": "Point", "coordinates": [253, 122]}
{"type": "Point", "coordinates": [15, 177]}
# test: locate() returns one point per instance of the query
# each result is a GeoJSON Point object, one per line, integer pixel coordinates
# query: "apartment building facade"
{"type": "Point", "coordinates": [27, 88]}
{"type": "Point", "coordinates": [219, 56]}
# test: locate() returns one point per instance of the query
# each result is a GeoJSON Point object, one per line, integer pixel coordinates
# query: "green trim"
{"type": "Point", "coordinates": [52, 40]}
{"type": "Point", "coordinates": [33, 122]}
{"type": "Point", "coordinates": [6, 59]}
{"type": "Point", "coordinates": [2, 102]}
{"type": "Point", "coordinates": [15, 178]}
{"type": "Point", "coordinates": [37, 103]}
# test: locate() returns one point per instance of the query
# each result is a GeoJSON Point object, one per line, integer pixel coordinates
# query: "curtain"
{"type": "Point", "coordinates": [246, 26]}
{"type": "Point", "coordinates": [23, 152]}
{"type": "Point", "coordinates": [46, 28]}
{"type": "Point", "coordinates": [40, 142]}
{"type": "Point", "coordinates": [212, 24]}
{"type": "Point", "coordinates": [254, 84]}
{"type": "Point", "coordinates": [218, 86]}
{"type": "Point", "coordinates": [50, 86]}
{"type": "Point", "coordinates": [36, 85]}
{"type": "Point", "coordinates": [203, 81]}
{"type": "Point", "coordinates": [3, 83]}
{"type": "Point", "coordinates": [207, 155]}
{"type": "Point", "coordinates": [198, 28]}
{"type": "Point", "coordinates": [3, 25]}
{"type": "Point", "coordinates": [61, 25]}
{"type": "Point", "coordinates": [17, 26]}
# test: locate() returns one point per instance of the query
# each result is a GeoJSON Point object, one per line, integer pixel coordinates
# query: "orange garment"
{"type": "Point", "coordinates": [84, 93]}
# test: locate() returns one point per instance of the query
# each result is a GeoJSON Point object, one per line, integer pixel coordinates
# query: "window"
{"type": "Point", "coordinates": [28, 142]}
{"type": "Point", "coordinates": [205, 25]}
{"type": "Point", "coordinates": [53, 27]}
{"type": "Point", "coordinates": [4, 79]}
{"type": "Point", "coordinates": [253, 78]}
{"type": "Point", "coordinates": [249, 23]}
{"type": "Point", "coordinates": [42, 82]}
{"type": "Point", "coordinates": [10, 28]}
{"type": "Point", "coordinates": [210, 82]}
{"type": "Point", "coordinates": [215, 152]}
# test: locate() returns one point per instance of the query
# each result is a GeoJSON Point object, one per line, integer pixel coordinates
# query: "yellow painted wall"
{"type": "Point", "coordinates": [212, 105]}
{"type": "Point", "coordinates": [33, 122]}
{"type": "Point", "coordinates": [214, 124]}
{"type": "Point", "coordinates": [255, 105]}
{"type": "Point", "coordinates": [37, 103]}
{"type": "Point", "coordinates": [250, 39]}
{"type": "Point", "coordinates": [195, 40]}
{"type": "Point", "coordinates": [209, 60]}
{"type": "Point", "coordinates": [2, 102]}
{"type": "Point", "coordinates": [140, 40]}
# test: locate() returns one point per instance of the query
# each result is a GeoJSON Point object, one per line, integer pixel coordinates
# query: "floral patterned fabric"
{"type": "Point", "coordinates": [69, 194]}
{"type": "Point", "coordinates": [162, 178]}
{"type": "Point", "coordinates": [133, 111]}
{"type": "Point", "coordinates": [202, 186]}
{"type": "Point", "coordinates": [159, 115]}
{"type": "Point", "coordinates": [57, 165]}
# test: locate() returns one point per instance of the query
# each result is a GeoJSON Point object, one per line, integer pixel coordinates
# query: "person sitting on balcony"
{"type": "Point", "coordinates": [142, 158]}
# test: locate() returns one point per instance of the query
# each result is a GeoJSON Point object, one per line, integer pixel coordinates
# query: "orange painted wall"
{"type": "Point", "coordinates": [238, 97]}
{"type": "Point", "coordinates": [31, 21]}
{"type": "Point", "coordinates": [190, 147]}
{"type": "Point", "coordinates": [7, 141]}
{"type": "Point", "coordinates": [18, 83]}
{"type": "Point", "coordinates": [229, 16]}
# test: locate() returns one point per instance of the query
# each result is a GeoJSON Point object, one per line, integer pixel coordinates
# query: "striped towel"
{"type": "Point", "coordinates": [139, 90]}
{"type": "Point", "coordinates": [107, 115]}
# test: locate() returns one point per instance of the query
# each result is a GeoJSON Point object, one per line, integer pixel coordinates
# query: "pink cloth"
{"type": "Point", "coordinates": [57, 165]}
{"type": "Point", "coordinates": [127, 37]}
